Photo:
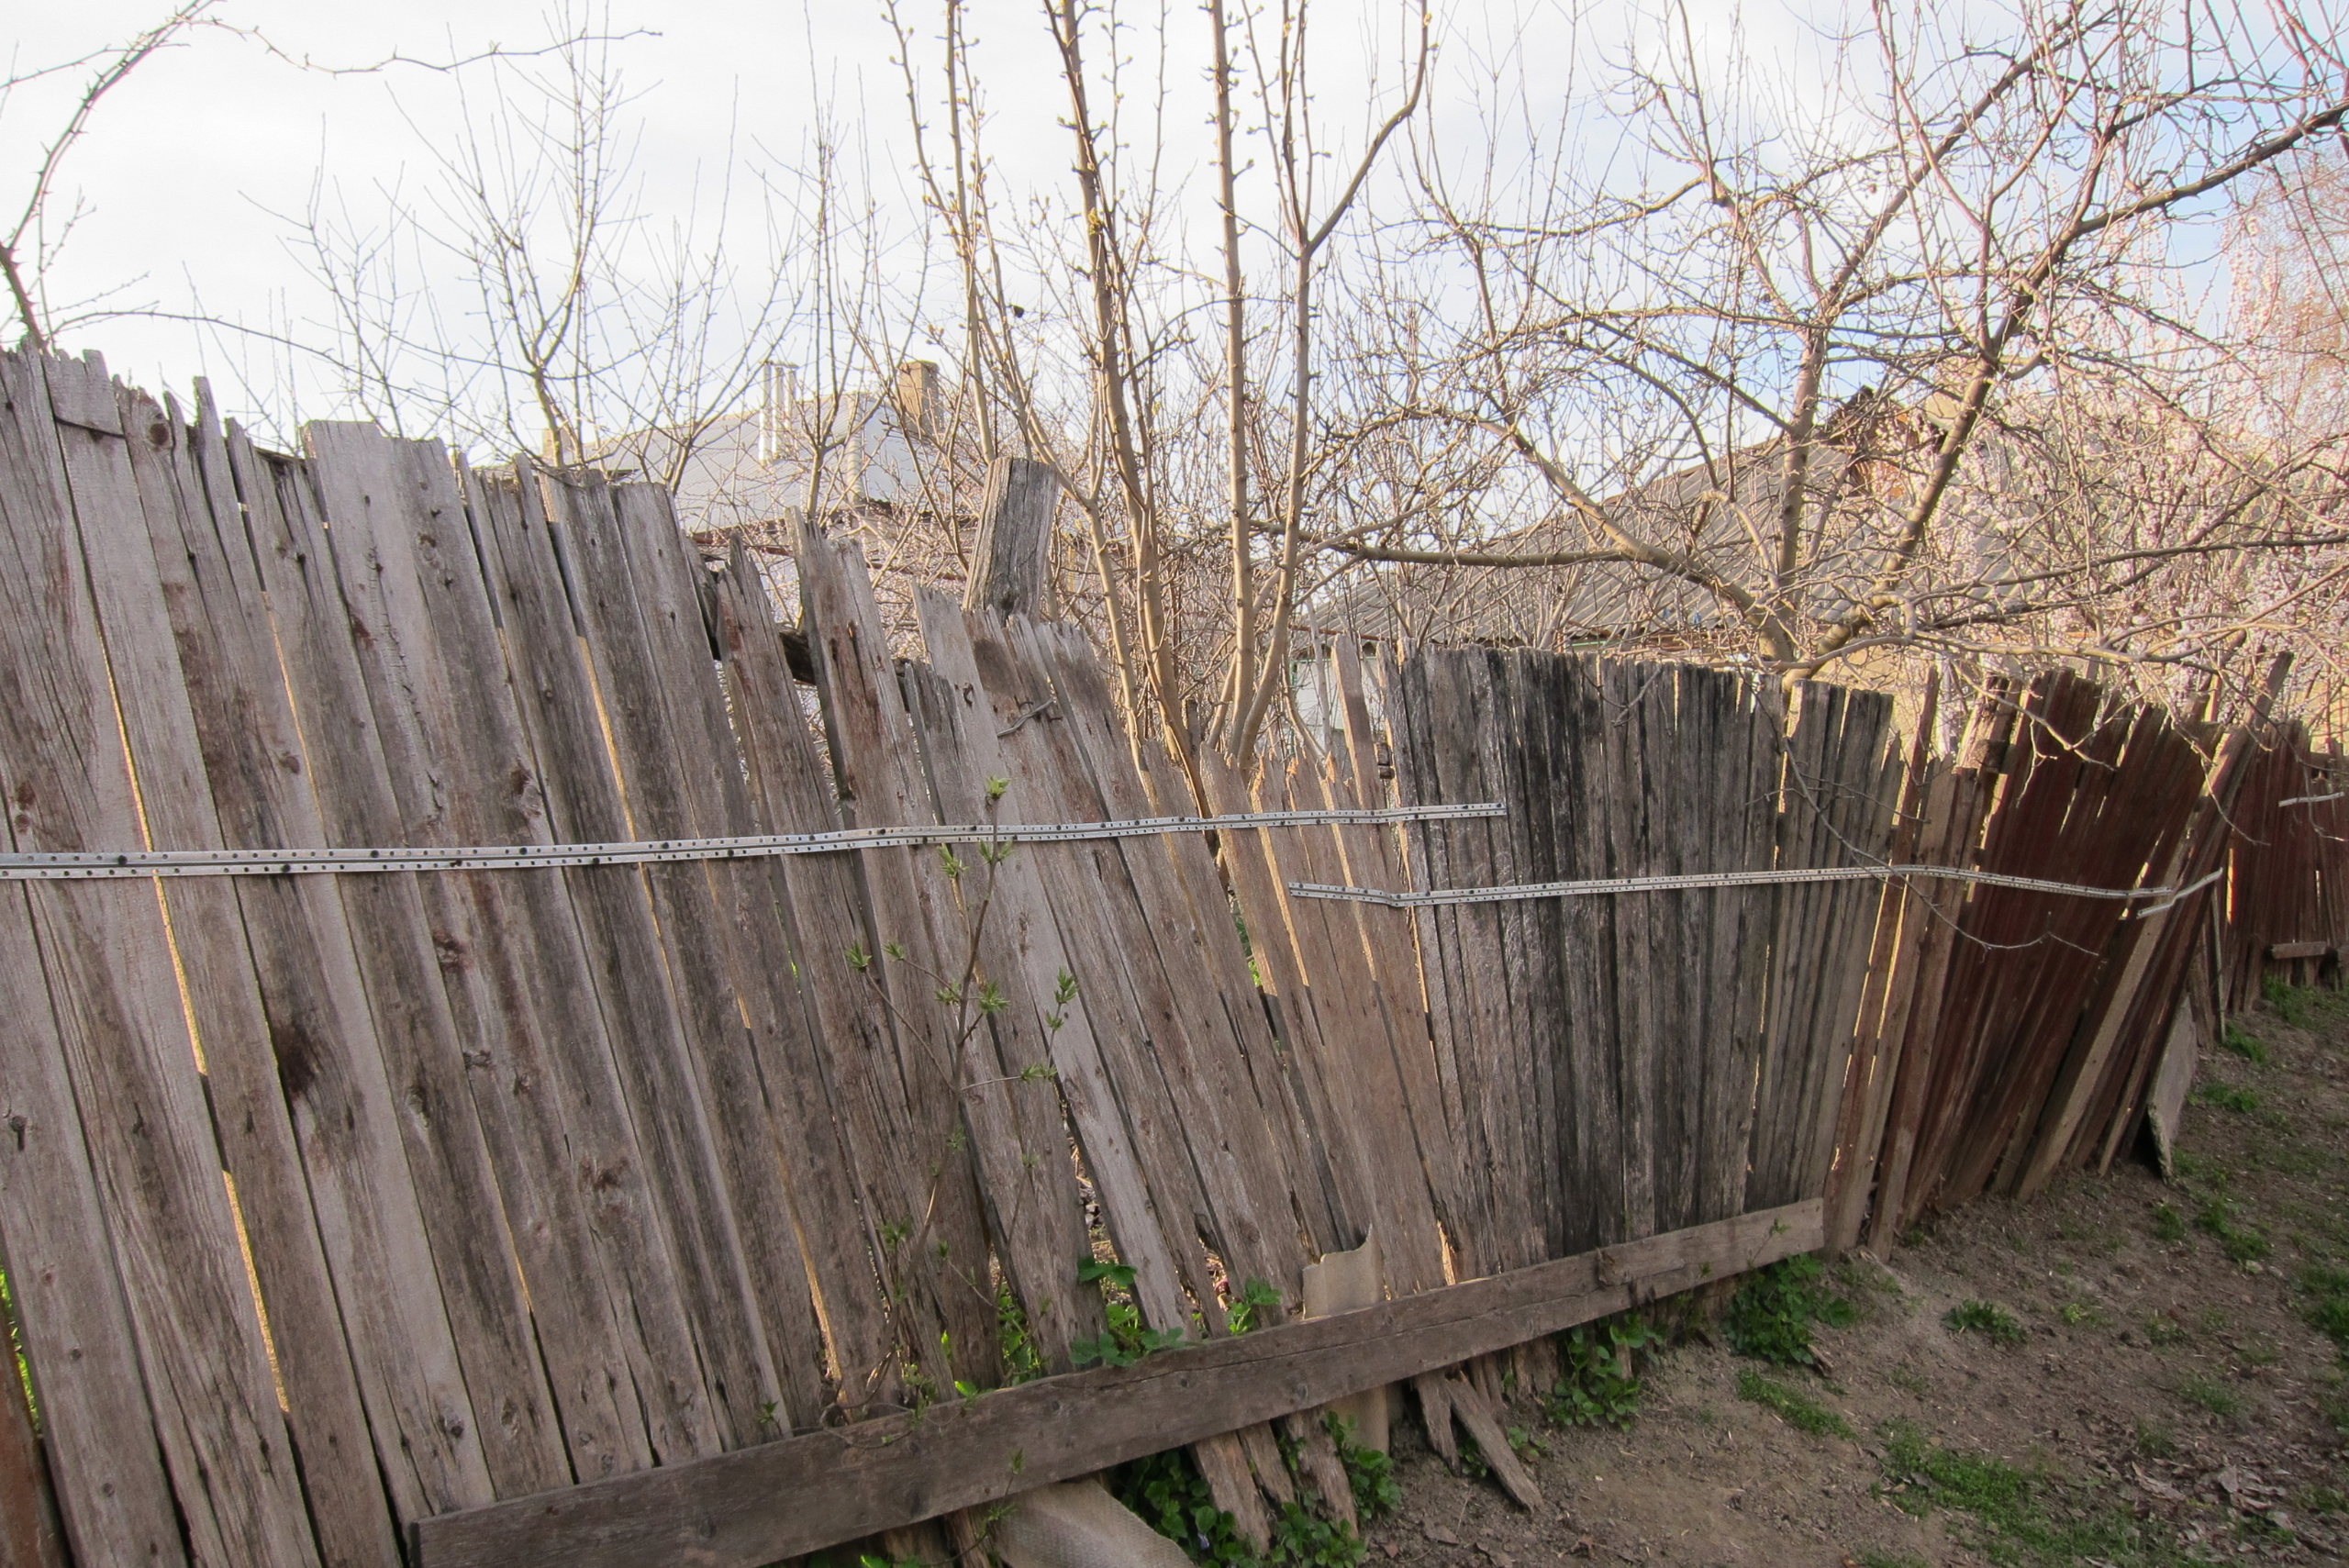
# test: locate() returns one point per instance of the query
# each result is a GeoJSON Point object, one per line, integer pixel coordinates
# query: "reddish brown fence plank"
{"type": "Point", "coordinates": [29, 1536]}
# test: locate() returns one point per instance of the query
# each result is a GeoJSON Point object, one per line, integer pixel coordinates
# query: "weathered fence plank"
{"type": "Point", "coordinates": [831, 1090]}
{"type": "Point", "coordinates": [1011, 555]}
{"type": "Point", "coordinates": [448, 1151]}
{"type": "Point", "coordinates": [121, 1031]}
{"type": "Point", "coordinates": [119, 486]}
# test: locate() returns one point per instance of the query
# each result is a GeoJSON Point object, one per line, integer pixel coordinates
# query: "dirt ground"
{"type": "Point", "coordinates": [2169, 1401]}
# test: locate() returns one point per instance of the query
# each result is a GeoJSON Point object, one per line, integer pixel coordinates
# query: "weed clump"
{"type": "Point", "coordinates": [2243, 1043]}
{"type": "Point", "coordinates": [1128, 1340]}
{"type": "Point", "coordinates": [1022, 1362]}
{"type": "Point", "coordinates": [1791, 1405]}
{"type": "Point", "coordinates": [1167, 1491]}
{"type": "Point", "coordinates": [1770, 1317]}
{"type": "Point", "coordinates": [2210, 1394]}
{"type": "Point", "coordinates": [1598, 1383]}
{"type": "Point", "coordinates": [2294, 1003]}
{"type": "Point", "coordinates": [2242, 1244]}
{"type": "Point", "coordinates": [1993, 1323]}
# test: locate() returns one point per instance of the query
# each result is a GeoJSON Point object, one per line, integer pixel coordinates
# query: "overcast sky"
{"type": "Point", "coordinates": [190, 171]}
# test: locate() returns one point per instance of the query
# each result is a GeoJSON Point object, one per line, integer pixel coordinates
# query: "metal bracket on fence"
{"type": "Point", "coordinates": [75, 866]}
{"type": "Point", "coordinates": [1445, 896]}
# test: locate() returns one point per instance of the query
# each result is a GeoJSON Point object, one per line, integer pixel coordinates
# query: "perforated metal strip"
{"type": "Point", "coordinates": [60, 866]}
{"type": "Point", "coordinates": [1509, 894]}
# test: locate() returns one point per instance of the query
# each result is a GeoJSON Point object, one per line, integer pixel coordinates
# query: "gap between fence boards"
{"type": "Point", "coordinates": [757, 1505]}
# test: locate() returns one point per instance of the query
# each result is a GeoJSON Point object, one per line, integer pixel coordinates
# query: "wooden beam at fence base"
{"type": "Point", "coordinates": [757, 1505]}
{"type": "Point", "coordinates": [2300, 950]}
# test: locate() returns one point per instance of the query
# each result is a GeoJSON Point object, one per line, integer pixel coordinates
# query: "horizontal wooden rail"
{"type": "Point", "coordinates": [758, 1504]}
{"type": "Point", "coordinates": [2300, 950]}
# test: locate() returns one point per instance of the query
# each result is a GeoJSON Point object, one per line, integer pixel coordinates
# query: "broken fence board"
{"type": "Point", "coordinates": [739, 1510]}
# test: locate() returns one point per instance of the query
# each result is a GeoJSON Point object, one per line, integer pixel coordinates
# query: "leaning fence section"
{"type": "Point", "coordinates": [2010, 1035]}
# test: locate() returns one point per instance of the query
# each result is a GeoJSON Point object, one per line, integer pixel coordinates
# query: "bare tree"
{"type": "Point", "coordinates": [37, 234]}
{"type": "Point", "coordinates": [1894, 367]}
{"type": "Point", "coordinates": [1788, 374]}
{"type": "Point", "coordinates": [522, 293]}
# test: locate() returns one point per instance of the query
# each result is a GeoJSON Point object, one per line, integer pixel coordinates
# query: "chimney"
{"type": "Point", "coordinates": [778, 390]}
{"type": "Point", "coordinates": [918, 398]}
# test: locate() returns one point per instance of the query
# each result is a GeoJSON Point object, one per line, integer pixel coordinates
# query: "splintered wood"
{"type": "Point", "coordinates": [472, 1215]}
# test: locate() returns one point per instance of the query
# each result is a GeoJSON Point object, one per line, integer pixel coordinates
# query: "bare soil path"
{"type": "Point", "coordinates": [2171, 1398]}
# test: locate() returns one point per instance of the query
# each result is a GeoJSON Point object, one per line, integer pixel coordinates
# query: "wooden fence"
{"type": "Point", "coordinates": [686, 1210]}
{"type": "Point", "coordinates": [2010, 1035]}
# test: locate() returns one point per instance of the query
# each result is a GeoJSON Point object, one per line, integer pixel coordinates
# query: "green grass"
{"type": "Point", "coordinates": [2242, 1043]}
{"type": "Point", "coordinates": [1907, 1380]}
{"type": "Point", "coordinates": [1791, 1405]}
{"type": "Point", "coordinates": [2211, 1395]}
{"type": "Point", "coordinates": [2334, 1405]}
{"type": "Point", "coordinates": [2320, 1500]}
{"type": "Point", "coordinates": [2016, 1518]}
{"type": "Point", "coordinates": [1875, 1557]}
{"type": "Point", "coordinates": [2327, 1304]}
{"type": "Point", "coordinates": [1993, 1323]}
{"type": "Point", "coordinates": [2293, 1004]}
{"type": "Point", "coordinates": [2168, 1224]}
{"type": "Point", "coordinates": [2287, 1157]}
{"type": "Point", "coordinates": [2242, 1244]}
{"type": "Point", "coordinates": [2226, 1097]}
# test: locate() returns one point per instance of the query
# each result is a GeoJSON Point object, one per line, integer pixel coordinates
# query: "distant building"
{"type": "Point", "coordinates": [879, 460]}
{"type": "Point", "coordinates": [754, 466]}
